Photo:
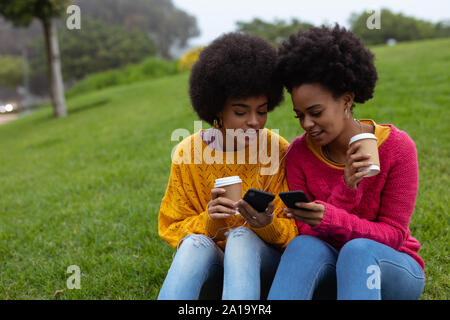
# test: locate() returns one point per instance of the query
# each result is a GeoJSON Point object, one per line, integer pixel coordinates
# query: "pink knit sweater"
{"type": "Point", "coordinates": [379, 209]}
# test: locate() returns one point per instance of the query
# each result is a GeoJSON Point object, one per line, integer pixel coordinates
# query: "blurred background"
{"type": "Point", "coordinates": [91, 94]}
{"type": "Point", "coordinates": [148, 38]}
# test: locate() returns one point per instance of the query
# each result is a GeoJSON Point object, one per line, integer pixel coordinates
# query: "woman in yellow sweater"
{"type": "Point", "coordinates": [227, 248]}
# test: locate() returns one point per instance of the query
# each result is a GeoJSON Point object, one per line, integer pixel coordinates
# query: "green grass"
{"type": "Point", "coordinates": [86, 189]}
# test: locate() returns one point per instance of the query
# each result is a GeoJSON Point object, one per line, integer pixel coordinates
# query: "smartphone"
{"type": "Point", "coordinates": [258, 199]}
{"type": "Point", "coordinates": [291, 197]}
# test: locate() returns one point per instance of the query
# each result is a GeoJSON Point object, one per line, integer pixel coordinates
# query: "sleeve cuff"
{"type": "Point", "coordinates": [211, 225]}
{"type": "Point", "coordinates": [270, 233]}
{"type": "Point", "coordinates": [327, 218]}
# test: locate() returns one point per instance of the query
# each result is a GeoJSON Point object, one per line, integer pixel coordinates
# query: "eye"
{"type": "Point", "coordinates": [298, 117]}
{"type": "Point", "coordinates": [262, 113]}
{"type": "Point", "coordinates": [316, 114]}
{"type": "Point", "coordinates": [239, 113]}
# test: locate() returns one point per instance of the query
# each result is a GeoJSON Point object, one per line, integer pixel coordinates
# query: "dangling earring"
{"type": "Point", "coordinates": [346, 112]}
{"type": "Point", "coordinates": [217, 123]}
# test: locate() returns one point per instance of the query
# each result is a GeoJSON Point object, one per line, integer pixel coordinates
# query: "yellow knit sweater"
{"type": "Point", "coordinates": [195, 167]}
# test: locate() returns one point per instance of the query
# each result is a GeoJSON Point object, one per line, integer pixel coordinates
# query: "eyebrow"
{"type": "Point", "coordinates": [246, 106]}
{"type": "Point", "coordinates": [314, 105]}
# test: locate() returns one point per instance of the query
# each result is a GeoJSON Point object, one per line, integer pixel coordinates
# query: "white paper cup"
{"type": "Point", "coordinates": [232, 186]}
{"type": "Point", "coordinates": [369, 144]}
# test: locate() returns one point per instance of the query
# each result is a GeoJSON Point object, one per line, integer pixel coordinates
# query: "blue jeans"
{"type": "Point", "coordinates": [200, 269]}
{"type": "Point", "coordinates": [362, 270]}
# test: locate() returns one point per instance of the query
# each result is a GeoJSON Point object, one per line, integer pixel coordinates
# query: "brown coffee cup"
{"type": "Point", "coordinates": [368, 144]}
{"type": "Point", "coordinates": [232, 186]}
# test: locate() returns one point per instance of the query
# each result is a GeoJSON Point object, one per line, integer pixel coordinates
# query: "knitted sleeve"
{"type": "Point", "coordinates": [182, 212]}
{"type": "Point", "coordinates": [396, 207]}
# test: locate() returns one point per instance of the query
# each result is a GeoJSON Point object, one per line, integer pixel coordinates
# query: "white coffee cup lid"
{"type": "Point", "coordinates": [362, 136]}
{"type": "Point", "coordinates": [222, 182]}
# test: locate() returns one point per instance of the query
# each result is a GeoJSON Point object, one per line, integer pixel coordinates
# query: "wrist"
{"type": "Point", "coordinates": [261, 222]}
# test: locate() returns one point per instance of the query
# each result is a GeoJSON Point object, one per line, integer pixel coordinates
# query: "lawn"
{"type": "Point", "coordinates": [85, 190]}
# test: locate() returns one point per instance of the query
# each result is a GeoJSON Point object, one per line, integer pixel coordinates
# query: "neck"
{"type": "Point", "coordinates": [337, 149]}
{"type": "Point", "coordinates": [232, 145]}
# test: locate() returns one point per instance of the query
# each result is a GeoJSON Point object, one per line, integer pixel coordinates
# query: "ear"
{"type": "Point", "coordinates": [348, 99]}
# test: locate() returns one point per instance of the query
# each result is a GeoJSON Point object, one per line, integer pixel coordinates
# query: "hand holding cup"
{"type": "Point", "coordinates": [362, 159]}
{"type": "Point", "coordinates": [220, 207]}
{"type": "Point", "coordinates": [226, 192]}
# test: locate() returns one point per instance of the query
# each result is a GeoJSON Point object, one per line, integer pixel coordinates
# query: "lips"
{"type": "Point", "coordinates": [314, 134]}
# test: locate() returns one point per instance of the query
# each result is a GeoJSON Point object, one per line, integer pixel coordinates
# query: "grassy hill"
{"type": "Point", "coordinates": [85, 190]}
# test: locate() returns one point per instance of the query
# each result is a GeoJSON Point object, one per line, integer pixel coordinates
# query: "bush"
{"type": "Point", "coordinates": [11, 71]}
{"type": "Point", "coordinates": [189, 58]}
{"type": "Point", "coordinates": [150, 68]}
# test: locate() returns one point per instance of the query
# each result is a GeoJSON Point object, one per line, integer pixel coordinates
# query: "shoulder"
{"type": "Point", "coordinates": [184, 150]}
{"type": "Point", "coordinates": [399, 150]}
{"type": "Point", "coordinates": [399, 141]}
{"type": "Point", "coordinates": [282, 142]}
{"type": "Point", "coordinates": [298, 146]}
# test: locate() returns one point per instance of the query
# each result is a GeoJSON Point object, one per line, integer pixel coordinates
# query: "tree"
{"type": "Point", "coordinates": [22, 13]}
{"type": "Point", "coordinates": [395, 26]}
{"type": "Point", "coordinates": [443, 28]}
{"type": "Point", "coordinates": [160, 19]}
{"type": "Point", "coordinates": [98, 46]}
{"type": "Point", "coordinates": [275, 32]}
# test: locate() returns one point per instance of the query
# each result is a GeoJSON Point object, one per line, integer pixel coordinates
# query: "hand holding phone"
{"type": "Point", "coordinates": [291, 197]}
{"type": "Point", "coordinates": [257, 208]}
{"type": "Point", "coordinates": [258, 199]}
{"type": "Point", "coordinates": [310, 213]}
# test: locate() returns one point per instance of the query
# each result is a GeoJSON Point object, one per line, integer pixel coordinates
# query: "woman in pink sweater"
{"type": "Point", "coordinates": [354, 241]}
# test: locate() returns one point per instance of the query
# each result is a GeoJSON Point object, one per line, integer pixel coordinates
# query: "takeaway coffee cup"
{"type": "Point", "coordinates": [368, 144]}
{"type": "Point", "coordinates": [232, 186]}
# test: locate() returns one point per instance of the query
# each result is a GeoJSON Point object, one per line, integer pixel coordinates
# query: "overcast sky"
{"type": "Point", "coordinates": [215, 17]}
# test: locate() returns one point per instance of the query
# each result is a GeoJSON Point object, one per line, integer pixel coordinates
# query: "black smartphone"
{"type": "Point", "coordinates": [258, 199]}
{"type": "Point", "coordinates": [291, 197]}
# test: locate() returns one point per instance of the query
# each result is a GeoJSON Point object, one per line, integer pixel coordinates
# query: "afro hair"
{"type": "Point", "coordinates": [336, 58]}
{"type": "Point", "coordinates": [234, 66]}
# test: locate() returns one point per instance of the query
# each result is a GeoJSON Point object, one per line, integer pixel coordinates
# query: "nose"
{"type": "Point", "coordinates": [307, 123]}
{"type": "Point", "coordinates": [253, 121]}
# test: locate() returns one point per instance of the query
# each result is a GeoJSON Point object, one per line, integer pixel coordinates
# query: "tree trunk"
{"type": "Point", "coordinates": [54, 66]}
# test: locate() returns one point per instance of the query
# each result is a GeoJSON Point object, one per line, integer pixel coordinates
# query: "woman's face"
{"type": "Point", "coordinates": [245, 114]}
{"type": "Point", "coordinates": [321, 115]}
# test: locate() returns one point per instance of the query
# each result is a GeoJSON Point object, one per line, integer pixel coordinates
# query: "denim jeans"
{"type": "Point", "coordinates": [362, 270]}
{"type": "Point", "coordinates": [200, 269]}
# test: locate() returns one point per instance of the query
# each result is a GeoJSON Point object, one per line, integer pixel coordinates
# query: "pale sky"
{"type": "Point", "coordinates": [215, 17]}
